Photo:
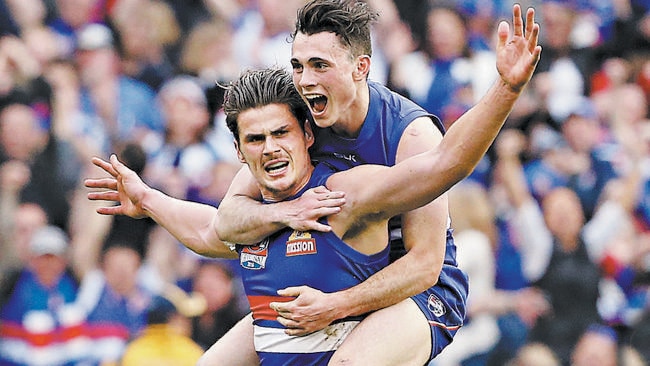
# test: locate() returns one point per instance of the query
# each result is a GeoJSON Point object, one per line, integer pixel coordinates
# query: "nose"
{"type": "Point", "coordinates": [306, 78]}
{"type": "Point", "coordinates": [270, 146]}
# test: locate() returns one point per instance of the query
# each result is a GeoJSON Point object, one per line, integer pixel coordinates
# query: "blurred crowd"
{"type": "Point", "coordinates": [553, 227]}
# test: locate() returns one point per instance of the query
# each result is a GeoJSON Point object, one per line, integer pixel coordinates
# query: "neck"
{"type": "Point", "coordinates": [350, 122]}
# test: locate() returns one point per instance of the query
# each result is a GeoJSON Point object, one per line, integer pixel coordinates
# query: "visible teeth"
{"type": "Point", "coordinates": [276, 166]}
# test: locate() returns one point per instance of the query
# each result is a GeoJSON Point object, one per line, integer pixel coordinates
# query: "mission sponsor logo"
{"type": "Point", "coordinates": [254, 256]}
{"type": "Point", "coordinates": [300, 243]}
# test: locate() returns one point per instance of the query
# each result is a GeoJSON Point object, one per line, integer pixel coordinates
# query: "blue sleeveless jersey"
{"type": "Point", "coordinates": [388, 116]}
{"type": "Point", "coordinates": [293, 258]}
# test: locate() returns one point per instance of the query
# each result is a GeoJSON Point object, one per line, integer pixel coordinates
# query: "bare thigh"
{"type": "Point", "coordinates": [235, 348]}
{"type": "Point", "coordinates": [397, 335]}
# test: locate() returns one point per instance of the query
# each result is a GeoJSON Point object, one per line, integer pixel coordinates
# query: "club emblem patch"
{"type": "Point", "coordinates": [254, 256]}
{"type": "Point", "coordinates": [436, 306]}
{"type": "Point", "coordinates": [300, 243]}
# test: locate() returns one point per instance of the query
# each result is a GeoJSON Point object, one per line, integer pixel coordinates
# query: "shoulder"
{"type": "Point", "coordinates": [405, 110]}
{"type": "Point", "coordinates": [355, 178]}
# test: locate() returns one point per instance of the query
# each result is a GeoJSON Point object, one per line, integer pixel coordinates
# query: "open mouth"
{"type": "Point", "coordinates": [276, 167]}
{"type": "Point", "coordinates": [317, 103]}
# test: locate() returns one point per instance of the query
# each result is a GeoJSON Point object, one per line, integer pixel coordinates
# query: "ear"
{"type": "Point", "coordinates": [362, 68]}
{"type": "Point", "coordinates": [239, 154]}
{"type": "Point", "coordinates": [309, 134]}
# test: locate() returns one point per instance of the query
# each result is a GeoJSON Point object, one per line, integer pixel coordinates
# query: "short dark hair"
{"type": "Point", "coordinates": [350, 20]}
{"type": "Point", "coordinates": [259, 88]}
{"type": "Point", "coordinates": [160, 310]}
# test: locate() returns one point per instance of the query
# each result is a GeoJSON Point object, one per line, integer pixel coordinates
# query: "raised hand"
{"type": "Point", "coordinates": [123, 187]}
{"type": "Point", "coordinates": [517, 56]}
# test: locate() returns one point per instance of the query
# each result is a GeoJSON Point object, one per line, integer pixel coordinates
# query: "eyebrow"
{"type": "Point", "coordinates": [311, 60]}
{"type": "Point", "coordinates": [284, 127]}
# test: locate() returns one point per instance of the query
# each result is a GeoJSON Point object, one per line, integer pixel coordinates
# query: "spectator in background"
{"type": "Point", "coordinates": [115, 302]}
{"type": "Point", "coordinates": [164, 340]}
{"type": "Point", "coordinates": [39, 321]}
{"type": "Point", "coordinates": [31, 17]}
{"type": "Point", "coordinates": [566, 66]}
{"type": "Point", "coordinates": [71, 17]}
{"type": "Point", "coordinates": [18, 226]}
{"type": "Point", "coordinates": [535, 354]}
{"type": "Point", "coordinates": [123, 108]}
{"type": "Point", "coordinates": [561, 253]}
{"type": "Point", "coordinates": [147, 30]}
{"type": "Point", "coordinates": [20, 78]}
{"type": "Point", "coordinates": [225, 301]}
{"type": "Point", "coordinates": [68, 120]}
{"type": "Point", "coordinates": [476, 234]}
{"type": "Point", "coordinates": [591, 156]}
{"type": "Point", "coordinates": [184, 159]}
{"type": "Point", "coordinates": [209, 55]}
{"type": "Point", "coordinates": [45, 170]}
{"type": "Point", "coordinates": [599, 345]}
{"type": "Point", "coordinates": [261, 38]}
{"type": "Point", "coordinates": [439, 75]}
{"type": "Point", "coordinates": [629, 36]}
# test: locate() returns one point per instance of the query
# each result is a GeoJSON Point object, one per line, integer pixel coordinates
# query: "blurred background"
{"type": "Point", "coordinates": [553, 227]}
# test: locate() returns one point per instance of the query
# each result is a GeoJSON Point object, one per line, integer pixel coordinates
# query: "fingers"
{"type": "Point", "coordinates": [104, 196]}
{"type": "Point", "coordinates": [534, 48]}
{"type": "Point", "coordinates": [113, 210]}
{"type": "Point", "coordinates": [293, 328]}
{"type": "Point", "coordinates": [118, 166]}
{"type": "Point", "coordinates": [517, 21]}
{"type": "Point", "coordinates": [336, 196]}
{"type": "Point", "coordinates": [288, 291]}
{"type": "Point", "coordinates": [532, 33]}
{"type": "Point", "coordinates": [106, 183]}
{"type": "Point", "coordinates": [503, 32]}
{"type": "Point", "coordinates": [105, 165]}
{"type": "Point", "coordinates": [530, 21]}
{"type": "Point", "coordinates": [322, 227]}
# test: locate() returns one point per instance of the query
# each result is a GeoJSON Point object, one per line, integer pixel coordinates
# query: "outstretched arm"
{"type": "Point", "coordinates": [418, 180]}
{"type": "Point", "coordinates": [462, 148]}
{"type": "Point", "coordinates": [245, 220]}
{"type": "Point", "coordinates": [193, 224]}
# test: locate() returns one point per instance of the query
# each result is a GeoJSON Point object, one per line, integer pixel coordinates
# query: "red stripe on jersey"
{"type": "Point", "coordinates": [17, 331]}
{"type": "Point", "coordinates": [105, 330]}
{"type": "Point", "coordinates": [260, 306]}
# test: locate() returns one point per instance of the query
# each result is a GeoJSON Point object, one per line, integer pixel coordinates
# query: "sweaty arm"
{"type": "Point", "coordinates": [244, 219]}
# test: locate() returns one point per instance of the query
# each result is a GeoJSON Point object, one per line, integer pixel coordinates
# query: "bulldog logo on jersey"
{"type": "Point", "coordinates": [436, 306]}
{"type": "Point", "coordinates": [300, 243]}
{"type": "Point", "coordinates": [254, 256]}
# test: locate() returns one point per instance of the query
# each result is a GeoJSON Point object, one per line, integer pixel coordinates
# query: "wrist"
{"type": "Point", "coordinates": [508, 90]}
{"type": "Point", "coordinates": [345, 304]}
{"type": "Point", "coordinates": [148, 202]}
{"type": "Point", "coordinates": [282, 214]}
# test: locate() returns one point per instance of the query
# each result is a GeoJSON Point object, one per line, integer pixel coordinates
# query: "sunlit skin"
{"type": "Point", "coordinates": [322, 66]}
{"type": "Point", "coordinates": [274, 146]}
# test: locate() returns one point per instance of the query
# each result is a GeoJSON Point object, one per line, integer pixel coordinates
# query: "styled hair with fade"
{"type": "Point", "coordinates": [350, 20]}
{"type": "Point", "coordinates": [259, 88]}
